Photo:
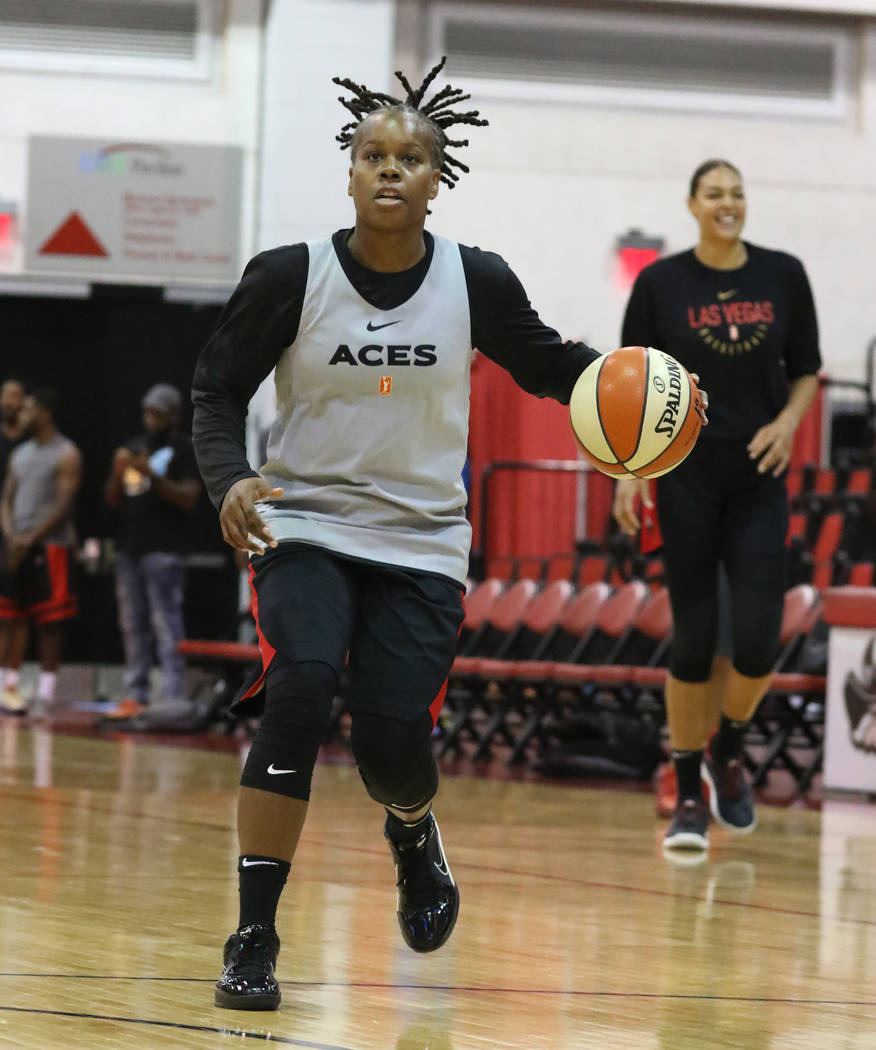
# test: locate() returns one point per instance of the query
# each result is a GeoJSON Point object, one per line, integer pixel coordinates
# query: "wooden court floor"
{"type": "Point", "coordinates": [117, 865]}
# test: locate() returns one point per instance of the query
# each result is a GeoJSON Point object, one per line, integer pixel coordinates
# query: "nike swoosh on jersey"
{"type": "Point", "coordinates": [727, 295]}
{"type": "Point", "coordinates": [274, 771]}
{"type": "Point", "coordinates": [376, 327]}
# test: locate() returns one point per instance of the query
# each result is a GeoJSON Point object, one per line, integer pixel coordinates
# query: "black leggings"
{"type": "Point", "coordinates": [715, 508]}
{"type": "Point", "coordinates": [399, 628]}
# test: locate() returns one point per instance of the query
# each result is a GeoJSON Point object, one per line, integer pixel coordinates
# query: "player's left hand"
{"type": "Point", "coordinates": [772, 446]}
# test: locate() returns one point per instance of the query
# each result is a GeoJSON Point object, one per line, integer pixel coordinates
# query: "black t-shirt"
{"type": "Point", "coordinates": [262, 316]}
{"type": "Point", "coordinates": [150, 523]}
{"type": "Point", "coordinates": [7, 446]}
{"type": "Point", "coordinates": [745, 332]}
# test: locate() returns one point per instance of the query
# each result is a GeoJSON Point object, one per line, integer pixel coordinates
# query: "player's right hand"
{"type": "Point", "coordinates": [242, 526]}
{"type": "Point", "coordinates": [626, 492]}
{"type": "Point", "coordinates": [121, 460]}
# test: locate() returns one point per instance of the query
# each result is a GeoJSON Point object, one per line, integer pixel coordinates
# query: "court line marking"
{"type": "Point", "coordinates": [546, 876]}
{"type": "Point", "coordinates": [267, 1037]}
{"type": "Point", "coordinates": [616, 886]}
{"type": "Point", "coordinates": [472, 988]}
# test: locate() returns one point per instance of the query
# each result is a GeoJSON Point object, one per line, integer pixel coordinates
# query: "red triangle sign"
{"type": "Point", "coordinates": [73, 237]}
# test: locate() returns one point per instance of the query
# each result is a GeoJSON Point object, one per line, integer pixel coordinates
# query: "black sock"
{"type": "Point", "coordinates": [727, 742]}
{"type": "Point", "coordinates": [406, 833]}
{"type": "Point", "coordinates": [687, 770]}
{"type": "Point", "coordinates": [261, 881]}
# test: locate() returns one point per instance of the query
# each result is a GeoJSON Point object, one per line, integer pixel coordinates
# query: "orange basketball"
{"type": "Point", "coordinates": [636, 412]}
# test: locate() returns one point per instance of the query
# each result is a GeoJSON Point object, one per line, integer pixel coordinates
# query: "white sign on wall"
{"type": "Point", "coordinates": [850, 717]}
{"type": "Point", "coordinates": [121, 210]}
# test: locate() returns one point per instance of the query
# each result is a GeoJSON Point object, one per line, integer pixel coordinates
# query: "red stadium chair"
{"type": "Point", "coordinates": [577, 623]}
{"type": "Point", "coordinates": [613, 621]}
{"type": "Point", "coordinates": [562, 618]}
{"type": "Point", "coordinates": [492, 684]}
{"type": "Point", "coordinates": [466, 686]}
{"type": "Point", "coordinates": [477, 607]}
{"type": "Point", "coordinates": [796, 527]}
{"type": "Point", "coordinates": [829, 536]}
{"type": "Point", "coordinates": [560, 567]}
{"type": "Point", "coordinates": [859, 482]}
{"type": "Point", "coordinates": [861, 574]}
{"type": "Point", "coordinates": [499, 621]}
{"type": "Point", "coordinates": [655, 573]}
{"type": "Point", "coordinates": [648, 641]}
{"type": "Point", "coordinates": [502, 567]}
{"type": "Point", "coordinates": [592, 568]}
{"type": "Point", "coordinates": [544, 613]}
{"type": "Point", "coordinates": [794, 481]}
{"type": "Point", "coordinates": [825, 482]}
{"type": "Point", "coordinates": [531, 567]}
{"type": "Point", "coordinates": [786, 731]}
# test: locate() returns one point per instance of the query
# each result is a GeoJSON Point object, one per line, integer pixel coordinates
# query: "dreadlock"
{"type": "Point", "coordinates": [435, 116]}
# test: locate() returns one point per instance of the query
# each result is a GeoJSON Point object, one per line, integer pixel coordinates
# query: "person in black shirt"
{"type": "Point", "coordinates": [154, 483]}
{"type": "Point", "coordinates": [356, 522]}
{"type": "Point", "coordinates": [12, 434]}
{"type": "Point", "coordinates": [742, 317]}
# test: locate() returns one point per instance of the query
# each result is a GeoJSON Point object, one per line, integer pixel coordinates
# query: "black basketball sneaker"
{"type": "Point", "coordinates": [689, 827]}
{"type": "Point", "coordinates": [729, 793]}
{"type": "Point", "coordinates": [428, 898]}
{"type": "Point", "coordinates": [248, 981]}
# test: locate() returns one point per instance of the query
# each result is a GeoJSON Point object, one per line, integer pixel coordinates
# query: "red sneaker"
{"type": "Point", "coordinates": [127, 708]}
{"type": "Point", "coordinates": [665, 791]}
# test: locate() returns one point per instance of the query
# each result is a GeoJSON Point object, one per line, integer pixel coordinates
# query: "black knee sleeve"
{"type": "Point", "coordinates": [395, 759]}
{"type": "Point", "coordinates": [756, 657]}
{"type": "Point", "coordinates": [691, 668]}
{"type": "Point", "coordinates": [690, 658]}
{"type": "Point", "coordinates": [298, 703]}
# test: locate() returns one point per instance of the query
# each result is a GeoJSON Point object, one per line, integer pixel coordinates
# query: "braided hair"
{"type": "Point", "coordinates": [433, 116]}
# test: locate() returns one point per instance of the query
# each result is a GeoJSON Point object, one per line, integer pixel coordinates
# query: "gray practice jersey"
{"type": "Point", "coordinates": [372, 379]}
{"type": "Point", "coordinates": [370, 456]}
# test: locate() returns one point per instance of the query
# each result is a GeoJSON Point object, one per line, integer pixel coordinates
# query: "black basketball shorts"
{"type": "Point", "coordinates": [41, 587]}
{"type": "Point", "coordinates": [394, 629]}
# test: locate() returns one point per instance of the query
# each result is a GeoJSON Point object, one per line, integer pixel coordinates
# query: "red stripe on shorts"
{"type": "Point", "coordinates": [440, 696]}
{"type": "Point", "coordinates": [58, 572]}
{"type": "Point", "coordinates": [10, 610]}
{"type": "Point", "coordinates": [438, 703]}
{"type": "Point", "coordinates": [265, 648]}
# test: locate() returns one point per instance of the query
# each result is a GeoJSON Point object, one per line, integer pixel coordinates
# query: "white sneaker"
{"type": "Point", "coordinates": [12, 702]}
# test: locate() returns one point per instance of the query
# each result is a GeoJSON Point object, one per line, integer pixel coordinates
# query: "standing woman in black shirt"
{"type": "Point", "coordinates": [357, 519]}
{"type": "Point", "coordinates": [742, 317]}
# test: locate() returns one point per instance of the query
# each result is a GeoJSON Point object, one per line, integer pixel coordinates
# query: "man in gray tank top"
{"type": "Point", "coordinates": [36, 516]}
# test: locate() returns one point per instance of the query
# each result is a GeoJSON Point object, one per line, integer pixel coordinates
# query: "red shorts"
{"type": "Point", "coordinates": [41, 586]}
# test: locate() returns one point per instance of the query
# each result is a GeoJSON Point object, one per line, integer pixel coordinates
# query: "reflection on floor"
{"type": "Point", "coordinates": [117, 861]}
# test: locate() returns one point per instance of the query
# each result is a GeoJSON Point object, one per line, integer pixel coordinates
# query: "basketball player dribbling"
{"type": "Point", "coordinates": [742, 317]}
{"type": "Point", "coordinates": [355, 524]}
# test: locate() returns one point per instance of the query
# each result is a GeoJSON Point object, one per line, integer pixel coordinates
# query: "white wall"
{"type": "Point", "coordinates": [552, 186]}
{"type": "Point", "coordinates": [304, 172]}
{"type": "Point", "coordinates": [222, 110]}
